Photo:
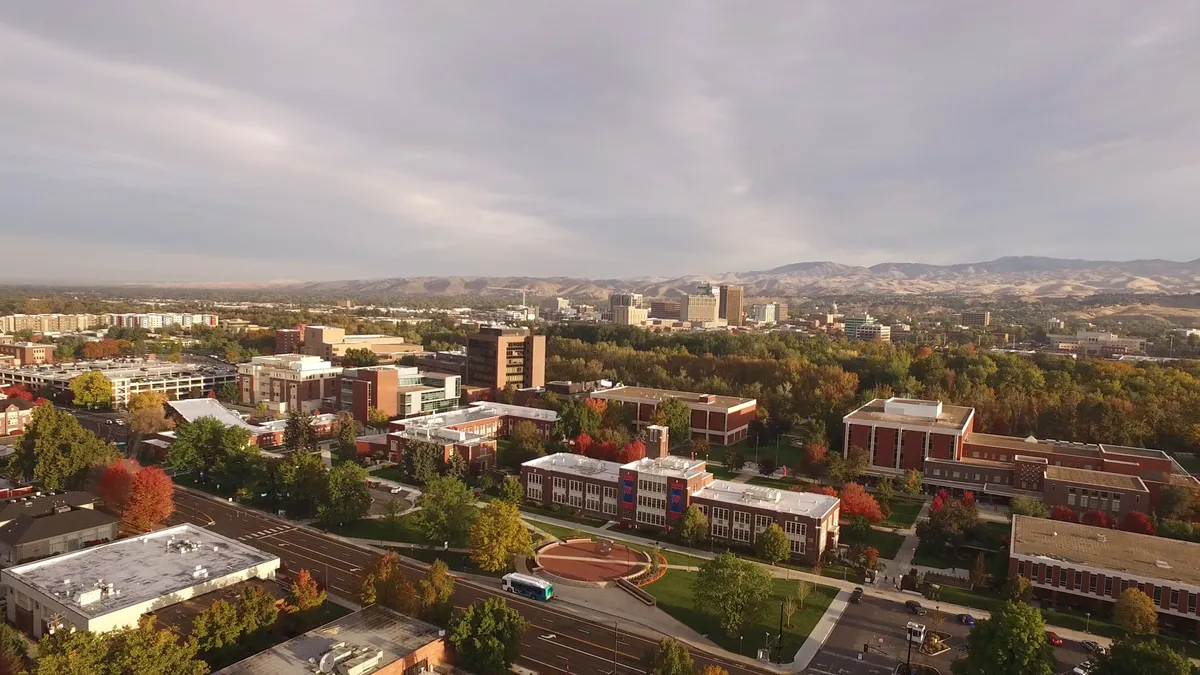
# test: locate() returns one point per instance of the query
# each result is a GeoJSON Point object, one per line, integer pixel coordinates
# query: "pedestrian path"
{"type": "Point", "coordinates": [820, 632]}
{"type": "Point", "coordinates": [376, 543]}
{"type": "Point", "coordinates": [269, 532]}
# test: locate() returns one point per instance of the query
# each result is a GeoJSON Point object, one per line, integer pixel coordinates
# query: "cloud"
{"type": "Point", "coordinates": [311, 140]}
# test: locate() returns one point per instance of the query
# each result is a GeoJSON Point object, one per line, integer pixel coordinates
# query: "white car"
{"type": "Point", "coordinates": [397, 490]}
{"type": "Point", "coordinates": [1084, 668]}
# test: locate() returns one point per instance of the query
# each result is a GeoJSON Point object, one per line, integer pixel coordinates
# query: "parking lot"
{"type": "Point", "coordinates": [881, 624]}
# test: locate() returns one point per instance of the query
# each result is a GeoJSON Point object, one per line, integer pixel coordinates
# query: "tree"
{"type": "Point", "coordinates": [386, 584]}
{"type": "Point", "coordinates": [14, 652]}
{"type": "Point", "coordinates": [347, 436]}
{"type": "Point", "coordinates": [1135, 613]}
{"type": "Point", "coordinates": [632, 452]}
{"type": "Point", "coordinates": [91, 389]}
{"type": "Point", "coordinates": [734, 460]}
{"type": "Point", "coordinates": [1064, 513]}
{"type": "Point", "coordinates": [216, 628]}
{"type": "Point", "coordinates": [886, 489]}
{"type": "Point", "coordinates": [487, 636]}
{"type": "Point", "coordinates": [848, 467]}
{"type": "Point", "coordinates": [57, 452]}
{"type": "Point", "coordinates": [391, 513]}
{"type": "Point", "coordinates": [299, 434]}
{"type": "Point", "coordinates": [701, 447]}
{"type": "Point", "coordinates": [676, 416]}
{"type": "Point", "coordinates": [803, 590]}
{"type": "Point", "coordinates": [912, 483]}
{"type": "Point", "coordinates": [145, 649]}
{"type": "Point", "coordinates": [766, 466]}
{"type": "Point", "coordinates": [525, 443]}
{"type": "Point", "coordinates": [790, 607]}
{"type": "Point", "coordinates": [376, 417]}
{"type": "Point", "coordinates": [497, 535]}
{"type": "Point", "coordinates": [1012, 641]}
{"type": "Point", "coordinates": [359, 358]}
{"type": "Point", "coordinates": [582, 444]}
{"type": "Point", "coordinates": [1133, 656]}
{"type": "Point", "coordinates": [304, 480]}
{"type": "Point", "coordinates": [858, 530]}
{"type": "Point", "coordinates": [304, 594]}
{"type": "Point", "coordinates": [693, 525]}
{"type": "Point", "coordinates": [115, 484]}
{"type": "Point", "coordinates": [456, 465]}
{"type": "Point", "coordinates": [978, 572]}
{"type": "Point", "coordinates": [347, 498]}
{"type": "Point", "coordinates": [256, 610]}
{"type": "Point", "coordinates": [814, 459]}
{"type": "Point", "coordinates": [1174, 502]}
{"type": "Point", "coordinates": [669, 657]}
{"type": "Point", "coordinates": [228, 393]}
{"type": "Point", "coordinates": [731, 589]}
{"type": "Point", "coordinates": [511, 490]}
{"type": "Point", "coordinates": [1136, 521]}
{"type": "Point", "coordinates": [421, 461]}
{"type": "Point", "coordinates": [870, 557]}
{"type": "Point", "coordinates": [1028, 506]}
{"type": "Point", "coordinates": [1096, 518]}
{"type": "Point", "coordinates": [773, 545]}
{"type": "Point", "coordinates": [447, 510]}
{"type": "Point", "coordinates": [151, 499]}
{"type": "Point", "coordinates": [1018, 589]}
{"type": "Point", "coordinates": [507, 394]}
{"type": "Point", "coordinates": [204, 444]}
{"type": "Point", "coordinates": [152, 400]}
{"type": "Point", "coordinates": [150, 420]}
{"type": "Point", "coordinates": [434, 593]}
{"type": "Point", "coordinates": [856, 501]}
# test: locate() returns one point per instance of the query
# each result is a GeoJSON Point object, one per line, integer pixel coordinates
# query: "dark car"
{"type": "Point", "coordinates": [856, 596]}
{"type": "Point", "coordinates": [1091, 647]}
{"type": "Point", "coordinates": [915, 607]}
{"type": "Point", "coordinates": [966, 620]}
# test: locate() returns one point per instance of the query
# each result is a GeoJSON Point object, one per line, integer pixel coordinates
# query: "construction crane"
{"type": "Point", "coordinates": [505, 288]}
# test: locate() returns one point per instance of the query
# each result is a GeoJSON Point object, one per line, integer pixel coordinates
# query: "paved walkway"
{"type": "Point", "coordinates": [820, 632]}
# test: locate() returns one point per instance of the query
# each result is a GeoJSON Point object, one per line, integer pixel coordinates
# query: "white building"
{"type": "Point", "coordinates": [128, 377]}
{"type": "Point", "coordinates": [763, 313]}
{"type": "Point", "coordinates": [287, 382]}
{"type": "Point", "coordinates": [112, 585]}
{"type": "Point", "coordinates": [626, 315]}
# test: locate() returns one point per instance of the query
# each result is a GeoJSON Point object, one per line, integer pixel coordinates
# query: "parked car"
{"type": "Point", "coordinates": [1084, 668]}
{"type": "Point", "coordinates": [1053, 638]}
{"type": "Point", "coordinates": [397, 490]}
{"type": "Point", "coordinates": [856, 596]}
{"type": "Point", "coordinates": [915, 607]}
{"type": "Point", "coordinates": [1092, 647]}
{"type": "Point", "coordinates": [966, 620]}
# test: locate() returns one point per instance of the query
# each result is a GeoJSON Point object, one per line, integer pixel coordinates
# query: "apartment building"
{"type": "Point", "coordinates": [331, 343]}
{"type": "Point", "coordinates": [28, 353]}
{"type": "Point", "coordinates": [128, 376]}
{"type": "Point", "coordinates": [723, 420]}
{"type": "Point", "coordinates": [49, 323]}
{"type": "Point", "coordinates": [768, 313]}
{"type": "Point", "coordinates": [289, 340]}
{"type": "Point", "coordinates": [731, 304]}
{"type": "Point", "coordinates": [626, 315]}
{"type": "Point", "coordinates": [626, 300]}
{"type": "Point", "coordinates": [498, 357]}
{"type": "Point", "coordinates": [554, 306]}
{"type": "Point", "coordinates": [977, 318]}
{"type": "Point", "coordinates": [287, 382]}
{"type": "Point", "coordinates": [397, 391]}
{"type": "Point", "coordinates": [1089, 567]}
{"type": "Point", "coordinates": [157, 320]}
{"type": "Point", "coordinates": [654, 493]}
{"type": "Point", "coordinates": [939, 441]}
{"type": "Point", "coordinates": [15, 413]}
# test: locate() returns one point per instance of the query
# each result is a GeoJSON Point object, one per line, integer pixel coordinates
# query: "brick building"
{"type": "Point", "coordinates": [331, 342]}
{"type": "Point", "coordinates": [289, 340]}
{"type": "Point", "coordinates": [14, 415]}
{"type": "Point", "coordinates": [1089, 567]}
{"type": "Point", "coordinates": [724, 420]}
{"type": "Point", "coordinates": [287, 382]}
{"type": "Point", "coordinates": [470, 432]}
{"type": "Point", "coordinates": [29, 353]}
{"type": "Point", "coordinates": [397, 391]}
{"type": "Point", "coordinates": [498, 357]}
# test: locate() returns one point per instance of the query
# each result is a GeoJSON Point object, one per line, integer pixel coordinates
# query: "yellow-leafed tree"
{"type": "Point", "coordinates": [497, 535]}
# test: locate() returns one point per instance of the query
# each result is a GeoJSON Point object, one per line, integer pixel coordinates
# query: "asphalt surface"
{"type": "Point", "coordinates": [556, 642]}
{"type": "Point", "coordinates": [99, 423]}
{"type": "Point", "coordinates": [882, 623]}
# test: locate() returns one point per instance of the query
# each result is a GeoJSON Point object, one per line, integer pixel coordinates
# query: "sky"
{"type": "Point", "coordinates": [315, 140]}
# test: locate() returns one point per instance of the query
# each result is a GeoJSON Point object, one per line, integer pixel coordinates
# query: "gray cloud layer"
{"type": "Point", "coordinates": [318, 140]}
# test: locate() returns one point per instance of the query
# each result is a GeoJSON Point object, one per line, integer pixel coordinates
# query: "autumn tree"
{"type": "Point", "coordinates": [347, 497]}
{"type": "Point", "coordinates": [773, 544]}
{"type": "Point", "coordinates": [91, 389]}
{"type": "Point", "coordinates": [669, 657]}
{"type": "Point", "coordinates": [632, 452]}
{"type": "Point", "coordinates": [498, 535]}
{"type": "Point", "coordinates": [1028, 506]}
{"type": "Point", "coordinates": [216, 628]}
{"type": "Point", "coordinates": [145, 649]}
{"type": "Point", "coordinates": [487, 636]}
{"type": "Point", "coordinates": [525, 443]}
{"type": "Point", "coordinates": [1096, 518]}
{"type": "Point", "coordinates": [856, 501]}
{"type": "Point", "coordinates": [1064, 513]}
{"type": "Point", "coordinates": [700, 448]}
{"type": "Point", "coordinates": [377, 417]}
{"type": "Point", "coordinates": [978, 572]}
{"type": "Point", "coordinates": [1135, 613]}
{"type": "Point", "coordinates": [870, 557]}
{"type": "Point", "coordinates": [115, 484]}
{"type": "Point", "coordinates": [1136, 521]}
{"type": "Point", "coordinates": [693, 525]}
{"type": "Point", "coordinates": [511, 490]}
{"type": "Point", "coordinates": [151, 499]}
{"type": "Point", "coordinates": [304, 595]}
{"type": "Point", "coordinates": [256, 610]}
{"type": "Point", "coordinates": [1018, 589]}
{"type": "Point", "coordinates": [146, 399]}
{"type": "Point", "coordinates": [813, 461]}
{"type": "Point", "coordinates": [389, 585]}
{"type": "Point", "coordinates": [434, 594]}
{"type": "Point", "coordinates": [912, 483]}
{"type": "Point", "coordinates": [803, 590]}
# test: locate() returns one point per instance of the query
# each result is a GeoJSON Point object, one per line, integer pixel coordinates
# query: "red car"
{"type": "Point", "coordinates": [1053, 638]}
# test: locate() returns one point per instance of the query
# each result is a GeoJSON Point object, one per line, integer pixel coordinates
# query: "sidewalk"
{"type": "Point", "coordinates": [821, 631]}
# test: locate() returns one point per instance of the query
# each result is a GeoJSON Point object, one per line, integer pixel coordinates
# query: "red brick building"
{"type": "Point", "coordinates": [723, 420]}
{"type": "Point", "coordinates": [29, 353]}
{"type": "Point", "coordinates": [470, 432]}
{"type": "Point", "coordinates": [14, 415]}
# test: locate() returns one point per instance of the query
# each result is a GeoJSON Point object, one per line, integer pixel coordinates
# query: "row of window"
{"type": "Point", "coordinates": [1044, 574]}
{"type": "Point", "coordinates": [651, 518]}
{"type": "Point", "coordinates": [651, 486]}
{"type": "Point", "coordinates": [652, 502]}
{"type": "Point", "coordinates": [1093, 499]}
{"type": "Point", "coordinates": [976, 476]}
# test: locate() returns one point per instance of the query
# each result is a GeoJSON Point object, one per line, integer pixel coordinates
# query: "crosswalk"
{"type": "Point", "coordinates": [269, 532]}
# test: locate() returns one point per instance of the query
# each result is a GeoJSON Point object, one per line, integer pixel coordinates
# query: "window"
{"type": "Point", "coordinates": [610, 493]}
{"type": "Point", "coordinates": [610, 508]}
{"type": "Point", "coordinates": [560, 490]}
{"type": "Point", "coordinates": [1078, 580]}
{"type": "Point", "coordinates": [720, 531]}
{"type": "Point", "coordinates": [1021, 567]}
{"type": "Point", "coordinates": [741, 526]}
{"type": "Point", "coordinates": [560, 483]}
{"type": "Point", "coordinates": [1091, 583]}
{"type": "Point", "coordinates": [703, 509]}
{"type": "Point", "coordinates": [1062, 576]}
{"type": "Point", "coordinates": [534, 491]}
{"type": "Point", "coordinates": [761, 523]}
{"type": "Point", "coordinates": [1158, 596]}
{"type": "Point", "coordinates": [1108, 586]}
{"type": "Point", "coordinates": [954, 474]}
{"type": "Point", "coordinates": [593, 497]}
{"type": "Point", "coordinates": [975, 454]}
{"type": "Point", "coordinates": [1003, 458]}
{"type": "Point", "coordinates": [937, 472]}
{"type": "Point", "coordinates": [1191, 603]}
{"type": "Point", "coordinates": [1037, 572]}
{"type": "Point", "coordinates": [1174, 598]}
{"type": "Point", "coordinates": [795, 532]}
{"type": "Point", "coordinates": [1116, 503]}
{"type": "Point", "coordinates": [576, 486]}
{"type": "Point", "coordinates": [656, 519]}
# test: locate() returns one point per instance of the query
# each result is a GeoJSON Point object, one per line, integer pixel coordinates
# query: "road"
{"type": "Point", "coordinates": [881, 623]}
{"type": "Point", "coordinates": [104, 424]}
{"type": "Point", "coordinates": [556, 642]}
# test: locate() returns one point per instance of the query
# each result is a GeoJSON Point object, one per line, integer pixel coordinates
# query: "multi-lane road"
{"type": "Point", "coordinates": [557, 641]}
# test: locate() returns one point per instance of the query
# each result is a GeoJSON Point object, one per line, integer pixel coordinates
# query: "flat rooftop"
{"type": "Point", "coordinates": [1136, 554]}
{"type": "Point", "coordinates": [953, 417]}
{"type": "Point", "coordinates": [477, 412]}
{"type": "Point", "coordinates": [192, 409]}
{"type": "Point", "coordinates": [807, 504]}
{"type": "Point", "coordinates": [1116, 481]}
{"type": "Point", "coordinates": [566, 462]}
{"type": "Point", "coordinates": [672, 467]}
{"type": "Point", "coordinates": [124, 369]}
{"type": "Point", "coordinates": [656, 396]}
{"type": "Point", "coordinates": [139, 568]}
{"type": "Point", "coordinates": [1032, 444]}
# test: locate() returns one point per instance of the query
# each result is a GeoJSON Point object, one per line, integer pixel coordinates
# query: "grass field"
{"type": "Point", "coordinates": [887, 543]}
{"type": "Point", "coordinates": [378, 528]}
{"type": "Point", "coordinates": [777, 483]}
{"type": "Point", "coordinates": [721, 473]}
{"type": "Point", "coordinates": [904, 512]}
{"type": "Point", "coordinates": [390, 473]}
{"type": "Point", "coordinates": [457, 562]}
{"type": "Point", "coordinates": [674, 594]}
{"type": "Point", "coordinates": [550, 513]}
{"type": "Point", "coordinates": [672, 557]}
{"type": "Point", "coordinates": [988, 535]}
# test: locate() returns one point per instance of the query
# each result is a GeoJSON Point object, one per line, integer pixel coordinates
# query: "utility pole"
{"type": "Point", "coordinates": [779, 648]}
{"type": "Point", "coordinates": [616, 641]}
{"type": "Point", "coordinates": [908, 661]}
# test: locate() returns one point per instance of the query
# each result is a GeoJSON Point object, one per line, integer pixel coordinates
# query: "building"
{"type": "Point", "coordinates": [723, 420]}
{"type": "Point", "coordinates": [626, 315]}
{"type": "Point", "coordinates": [469, 431]}
{"type": "Point", "coordinates": [873, 332]}
{"type": "Point", "coordinates": [287, 382]}
{"type": "Point", "coordinates": [449, 362]}
{"type": "Point", "coordinates": [763, 313]}
{"type": "Point", "coordinates": [702, 308]}
{"type": "Point", "coordinates": [781, 312]}
{"type": "Point", "coordinates": [554, 306]}
{"type": "Point", "coordinates": [939, 441]}
{"type": "Point", "coordinates": [49, 523]}
{"type": "Point", "coordinates": [1089, 567]}
{"type": "Point", "coordinates": [625, 300]}
{"type": "Point", "coordinates": [397, 391]}
{"type": "Point", "coordinates": [49, 323]}
{"type": "Point", "coordinates": [666, 309]}
{"type": "Point", "coordinates": [731, 303]}
{"type": "Point", "coordinates": [15, 413]}
{"type": "Point", "coordinates": [498, 357]}
{"type": "Point", "coordinates": [1054, 325]}
{"type": "Point", "coordinates": [29, 353]}
{"type": "Point", "coordinates": [654, 493]}
{"type": "Point", "coordinates": [330, 342]}
{"type": "Point", "coordinates": [128, 376]}
{"type": "Point", "coordinates": [1100, 344]}
{"type": "Point", "coordinates": [155, 321]}
{"type": "Point", "coordinates": [371, 641]}
{"type": "Point", "coordinates": [977, 318]}
{"type": "Point", "coordinates": [289, 340]}
{"type": "Point", "coordinates": [112, 585]}
{"type": "Point", "coordinates": [266, 434]}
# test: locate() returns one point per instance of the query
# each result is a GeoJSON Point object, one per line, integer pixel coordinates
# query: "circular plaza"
{"type": "Point", "coordinates": [591, 561]}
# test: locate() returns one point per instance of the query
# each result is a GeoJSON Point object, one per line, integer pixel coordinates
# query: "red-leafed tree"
{"type": "Point", "coordinates": [17, 391]}
{"type": "Point", "coordinates": [597, 404]}
{"type": "Point", "coordinates": [826, 490]}
{"type": "Point", "coordinates": [1096, 518]}
{"type": "Point", "coordinates": [116, 483]}
{"type": "Point", "coordinates": [151, 499]}
{"type": "Point", "coordinates": [939, 501]}
{"type": "Point", "coordinates": [632, 452]}
{"type": "Point", "coordinates": [607, 451]}
{"type": "Point", "coordinates": [813, 462]}
{"type": "Point", "coordinates": [583, 443]}
{"type": "Point", "coordinates": [856, 501]}
{"type": "Point", "coordinates": [1065, 514]}
{"type": "Point", "coordinates": [968, 498]}
{"type": "Point", "coordinates": [1136, 521]}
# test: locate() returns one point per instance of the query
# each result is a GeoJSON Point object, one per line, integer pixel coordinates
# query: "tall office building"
{"type": "Point", "coordinates": [699, 308]}
{"type": "Point", "coordinates": [731, 300]}
{"type": "Point", "coordinates": [980, 318]}
{"type": "Point", "coordinates": [665, 309]}
{"type": "Point", "coordinates": [497, 357]}
{"type": "Point", "coordinates": [624, 300]}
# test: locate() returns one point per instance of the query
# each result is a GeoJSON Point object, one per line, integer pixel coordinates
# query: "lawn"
{"type": "Point", "coordinates": [378, 528]}
{"type": "Point", "coordinates": [556, 530]}
{"type": "Point", "coordinates": [1189, 464]}
{"type": "Point", "coordinates": [777, 483]}
{"type": "Point", "coordinates": [887, 543]}
{"type": "Point", "coordinates": [457, 562]}
{"type": "Point", "coordinates": [674, 594]}
{"type": "Point", "coordinates": [721, 473]}
{"type": "Point", "coordinates": [562, 515]}
{"type": "Point", "coordinates": [988, 535]}
{"type": "Point", "coordinates": [391, 473]}
{"type": "Point", "coordinates": [672, 557]}
{"type": "Point", "coordinates": [904, 512]}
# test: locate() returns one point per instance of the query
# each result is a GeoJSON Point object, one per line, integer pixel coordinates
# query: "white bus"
{"type": "Point", "coordinates": [525, 585]}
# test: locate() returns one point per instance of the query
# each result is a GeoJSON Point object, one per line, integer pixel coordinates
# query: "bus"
{"type": "Point", "coordinates": [530, 587]}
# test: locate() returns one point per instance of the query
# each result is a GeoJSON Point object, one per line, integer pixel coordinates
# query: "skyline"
{"type": "Point", "coordinates": [599, 140]}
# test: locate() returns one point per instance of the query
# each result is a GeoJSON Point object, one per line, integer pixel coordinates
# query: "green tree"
{"type": "Point", "coordinates": [447, 511]}
{"type": "Point", "coordinates": [347, 436]}
{"type": "Point", "coordinates": [670, 657]}
{"type": "Point", "coordinates": [14, 651]}
{"type": "Point", "coordinates": [511, 490]}
{"type": "Point", "coordinates": [376, 417]}
{"type": "Point", "coordinates": [1018, 589]}
{"type": "Point", "coordinates": [803, 590]}
{"type": "Point", "coordinates": [1012, 641]}
{"type": "Point", "coordinates": [676, 416]}
{"type": "Point", "coordinates": [304, 480]}
{"type": "Point", "coordinates": [456, 465]}
{"type": "Point", "coordinates": [693, 526]}
{"type": "Point", "coordinates": [487, 636]}
{"type": "Point", "coordinates": [299, 435]}
{"type": "Point", "coordinates": [912, 483]}
{"type": "Point", "coordinates": [228, 393]}
{"type": "Point", "coordinates": [359, 358]}
{"type": "Point", "coordinates": [886, 489]}
{"type": "Point", "coordinates": [347, 498]}
{"type": "Point", "coordinates": [734, 460]}
{"type": "Point", "coordinates": [848, 467]}
{"type": "Point", "coordinates": [145, 649]}
{"type": "Point", "coordinates": [216, 628]}
{"type": "Point", "coordinates": [731, 589]}
{"type": "Point", "coordinates": [91, 389]}
{"type": "Point", "coordinates": [498, 535]}
{"type": "Point", "coordinates": [979, 572]}
{"type": "Point", "coordinates": [1135, 613]}
{"type": "Point", "coordinates": [525, 443]}
{"type": "Point", "coordinates": [773, 544]}
{"type": "Point", "coordinates": [434, 594]}
{"type": "Point", "coordinates": [1133, 656]}
{"type": "Point", "coordinates": [57, 452]}
{"type": "Point", "coordinates": [1174, 503]}
{"type": "Point", "coordinates": [421, 461]}
{"type": "Point", "coordinates": [1028, 506]}
{"type": "Point", "coordinates": [391, 514]}
{"type": "Point", "coordinates": [256, 610]}
{"type": "Point", "coordinates": [204, 444]}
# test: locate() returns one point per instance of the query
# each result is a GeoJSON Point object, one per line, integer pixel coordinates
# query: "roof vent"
{"type": "Point", "coordinates": [1101, 538]}
{"type": "Point", "coordinates": [1053, 534]}
{"type": "Point", "coordinates": [1163, 564]}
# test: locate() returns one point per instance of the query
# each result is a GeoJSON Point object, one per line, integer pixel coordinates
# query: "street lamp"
{"type": "Point", "coordinates": [741, 638]}
{"type": "Point", "coordinates": [1088, 626]}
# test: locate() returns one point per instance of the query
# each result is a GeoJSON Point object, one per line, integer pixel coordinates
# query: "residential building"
{"type": "Point", "coordinates": [128, 376]}
{"type": "Point", "coordinates": [723, 420]}
{"type": "Point", "coordinates": [977, 317]}
{"type": "Point", "coordinates": [627, 315]}
{"type": "Point", "coordinates": [29, 353]}
{"type": "Point", "coordinates": [372, 641]}
{"type": "Point", "coordinates": [49, 323]}
{"type": "Point", "coordinates": [265, 434]}
{"type": "Point", "coordinates": [625, 300]}
{"type": "Point", "coordinates": [498, 357]}
{"type": "Point", "coordinates": [287, 382]}
{"type": "Point", "coordinates": [50, 523]}
{"type": "Point", "coordinates": [781, 312]}
{"type": "Point", "coordinates": [15, 413]}
{"type": "Point", "coordinates": [1089, 567]}
{"type": "Point", "coordinates": [397, 391]}
{"type": "Point", "coordinates": [330, 342]}
{"type": "Point", "coordinates": [1054, 325]}
{"type": "Point", "coordinates": [731, 302]}
{"type": "Point", "coordinates": [666, 309]}
{"type": "Point", "coordinates": [763, 313]}
{"type": "Point", "coordinates": [112, 585]}
{"type": "Point", "coordinates": [289, 340]}
{"type": "Point", "coordinates": [655, 492]}
{"type": "Point", "coordinates": [155, 321]}
{"type": "Point", "coordinates": [702, 308]}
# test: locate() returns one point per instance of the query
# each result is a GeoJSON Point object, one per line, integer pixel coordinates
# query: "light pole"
{"type": "Point", "coordinates": [908, 661]}
{"type": "Point", "coordinates": [1087, 626]}
{"type": "Point", "coordinates": [741, 639]}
